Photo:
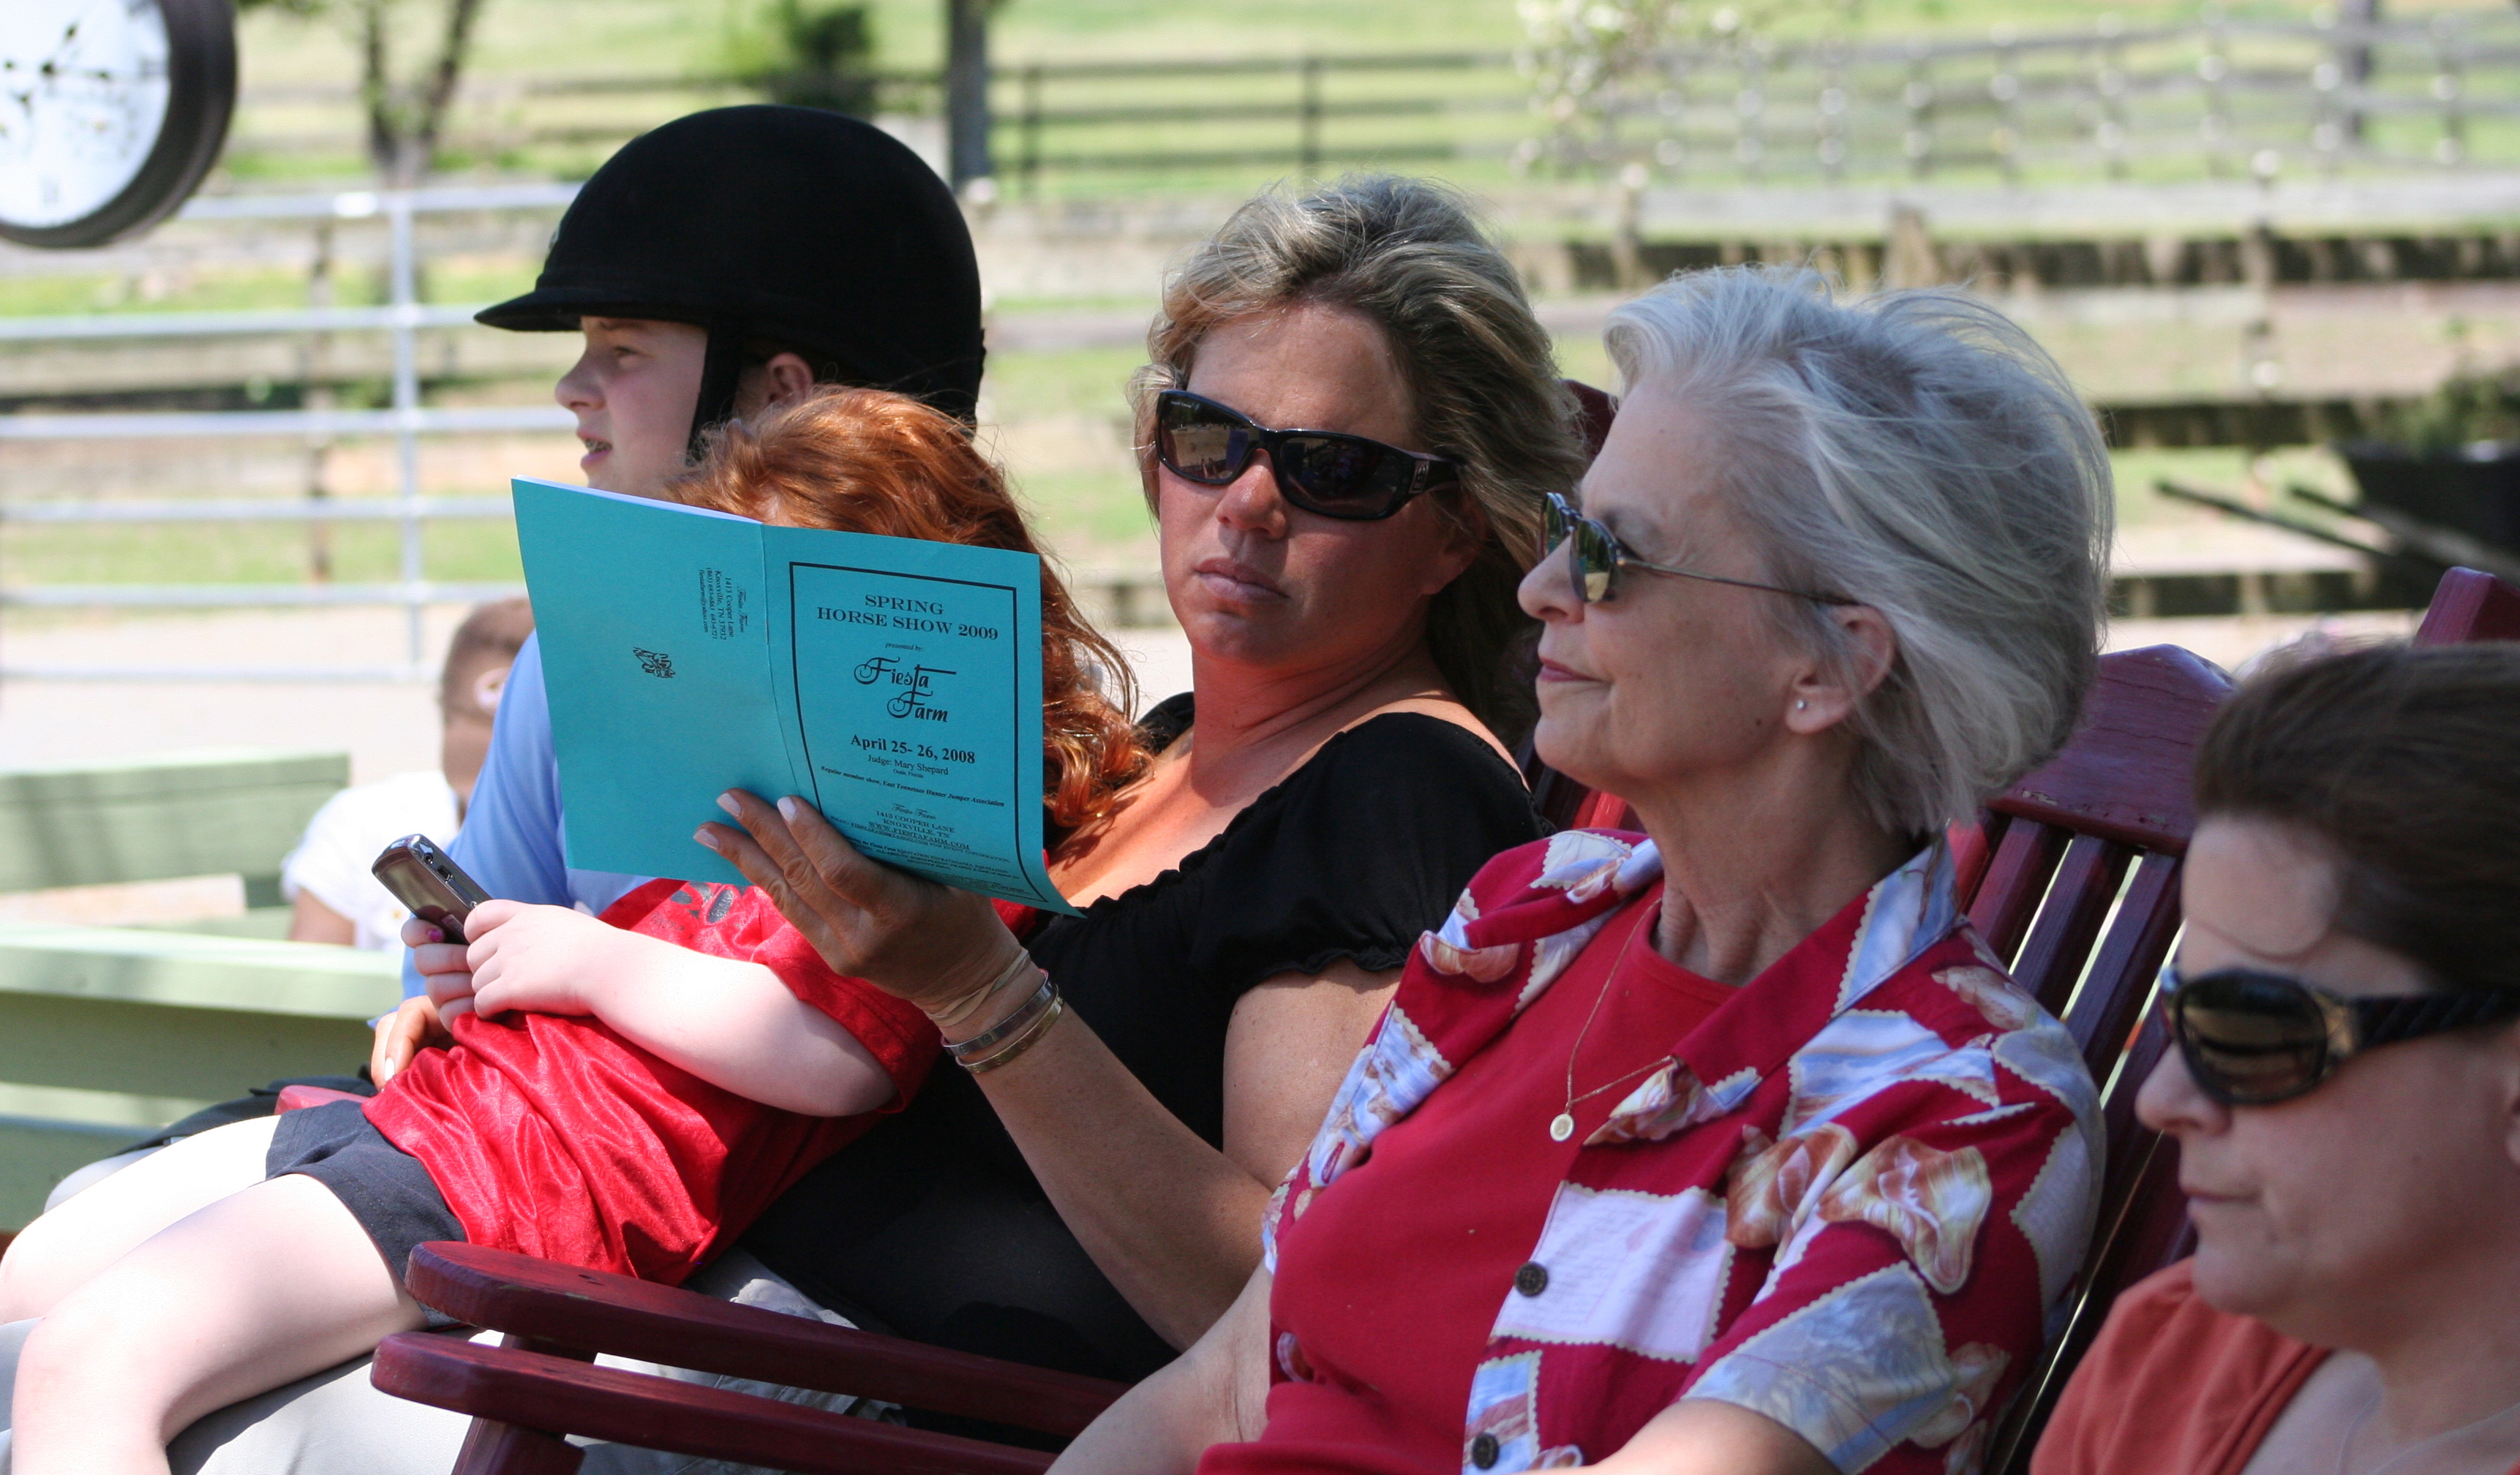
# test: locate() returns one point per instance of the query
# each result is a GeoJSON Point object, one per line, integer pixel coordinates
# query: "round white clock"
{"type": "Point", "coordinates": [110, 111]}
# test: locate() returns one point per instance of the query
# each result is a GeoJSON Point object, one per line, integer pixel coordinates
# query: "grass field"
{"type": "Point", "coordinates": [1060, 423]}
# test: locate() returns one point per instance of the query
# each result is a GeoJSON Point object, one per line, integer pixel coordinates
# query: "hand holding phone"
{"type": "Point", "coordinates": [426, 878]}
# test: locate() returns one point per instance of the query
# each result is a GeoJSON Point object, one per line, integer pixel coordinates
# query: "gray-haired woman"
{"type": "Point", "coordinates": [1727, 1149]}
{"type": "Point", "coordinates": [1350, 424]}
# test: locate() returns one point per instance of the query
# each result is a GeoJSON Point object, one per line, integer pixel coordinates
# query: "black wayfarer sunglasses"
{"type": "Point", "coordinates": [1595, 556]}
{"type": "Point", "coordinates": [2252, 1039]}
{"type": "Point", "coordinates": [1325, 472]}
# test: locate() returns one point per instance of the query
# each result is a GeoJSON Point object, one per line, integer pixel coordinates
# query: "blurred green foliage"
{"type": "Point", "coordinates": [2467, 409]}
{"type": "Point", "coordinates": [811, 55]}
{"type": "Point", "coordinates": [482, 551]}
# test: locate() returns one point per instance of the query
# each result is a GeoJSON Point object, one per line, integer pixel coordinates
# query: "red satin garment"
{"type": "Point", "coordinates": [553, 1135]}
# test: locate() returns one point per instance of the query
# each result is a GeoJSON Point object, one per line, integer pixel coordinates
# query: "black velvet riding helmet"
{"type": "Point", "coordinates": [786, 225]}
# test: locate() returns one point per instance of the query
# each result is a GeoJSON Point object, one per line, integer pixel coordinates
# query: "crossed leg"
{"type": "Point", "coordinates": [257, 1290]}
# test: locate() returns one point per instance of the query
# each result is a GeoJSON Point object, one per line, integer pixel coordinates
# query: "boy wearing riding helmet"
{"type": "Point", "coordinates": [716, 266]}
{"type": "Point", "coordinates": [719, 264]}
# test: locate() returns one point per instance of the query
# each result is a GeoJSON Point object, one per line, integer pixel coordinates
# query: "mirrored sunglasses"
{"type": "Point", "coordinates": [2252, 1038]}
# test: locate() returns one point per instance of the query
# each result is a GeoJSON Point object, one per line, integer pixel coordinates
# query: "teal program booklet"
{"type": "Point", "coordinates": [894, 684]}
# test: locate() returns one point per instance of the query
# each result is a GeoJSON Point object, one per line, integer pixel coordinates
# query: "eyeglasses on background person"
{"type": "Point", "coordinates": [1349, 477]}
{"type": "Point", "coordinates": [2252, 1038]}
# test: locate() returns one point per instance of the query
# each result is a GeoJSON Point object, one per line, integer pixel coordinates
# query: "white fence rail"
{"type": "Point", "coordinates": [403, 317]}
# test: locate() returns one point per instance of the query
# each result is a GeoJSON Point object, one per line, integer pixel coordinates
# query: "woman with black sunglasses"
{"type": "Point", "coordinates": [2345, 1094]}
{"type": "Point", "coordinates": [1346, 431]}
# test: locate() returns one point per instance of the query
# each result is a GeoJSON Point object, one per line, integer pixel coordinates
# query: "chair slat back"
{"type": "Point", "coordinates": [2469, 605]}
{"type": "Point", "coordinates": [2077, 889]}
{"type": "Point", "coordinates": [2144, 1217]}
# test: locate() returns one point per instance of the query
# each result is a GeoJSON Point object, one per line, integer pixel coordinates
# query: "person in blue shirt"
{"type": "Point", "coordinates": [705, 292]}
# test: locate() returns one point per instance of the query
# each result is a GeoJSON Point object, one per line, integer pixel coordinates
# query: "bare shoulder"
{"type": "Point", "coordinates": [1441, 708]}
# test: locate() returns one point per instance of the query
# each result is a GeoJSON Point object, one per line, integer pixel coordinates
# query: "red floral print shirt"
{"type": "Point", "coordinates": [1848, 1202]}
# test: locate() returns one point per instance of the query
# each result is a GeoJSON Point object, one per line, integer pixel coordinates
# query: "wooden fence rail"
{"type": "Point", "coordinates": [2204, 101]}
{"type": "Point", "coordinates": [2166, 103]}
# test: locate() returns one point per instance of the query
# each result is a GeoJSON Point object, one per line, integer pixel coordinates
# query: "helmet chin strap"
{"type": "Point", "coordinates": [721, 377]}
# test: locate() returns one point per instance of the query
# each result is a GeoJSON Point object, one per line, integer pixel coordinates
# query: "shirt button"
{"type": "Point", "coordinates": [1532, 1278]}
{"type": "Point", "coordinates": [1483, 1451]}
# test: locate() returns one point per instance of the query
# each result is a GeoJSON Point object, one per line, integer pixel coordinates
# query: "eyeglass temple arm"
{"type": "Point", "coordinates": [2379, 1021]}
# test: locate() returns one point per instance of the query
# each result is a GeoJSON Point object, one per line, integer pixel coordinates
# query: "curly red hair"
{"type": "Point", "coordinates": [865, 461]}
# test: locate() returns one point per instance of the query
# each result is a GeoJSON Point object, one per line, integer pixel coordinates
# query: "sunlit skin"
{"type": "Point", "coordinates": [1666, 678]}
{"type": "Point", "coordinates": [633, 391]}
{"type": "Point", "coordinates": [1298, 624]}
{"type": "Point", "coordinates": [1686, 699]}
{"type": "Point", "coordinates": [1260, 584]}
{"type": "Point", "coordinates": [2374, 1214]}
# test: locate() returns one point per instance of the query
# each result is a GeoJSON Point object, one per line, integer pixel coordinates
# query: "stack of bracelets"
{"type": "Point", "coordinates": [1017, 1031]}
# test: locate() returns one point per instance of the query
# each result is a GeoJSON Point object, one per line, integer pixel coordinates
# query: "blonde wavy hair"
{"type": "Point", "coordinates": [1410, 256]}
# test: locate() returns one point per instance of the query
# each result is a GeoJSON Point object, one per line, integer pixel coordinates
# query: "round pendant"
{"type": "Point", "coordinates": [1562, 1128]}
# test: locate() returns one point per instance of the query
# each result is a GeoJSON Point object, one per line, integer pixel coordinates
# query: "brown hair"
{"type": "Point", "coordinates": [1408, 256]}
{"type": "Point", "coordinates": [868, 461]}
{"type": "Point", "coordinates": [492, 634]}
{"type": "Point", "coordinates": [2401, 761]}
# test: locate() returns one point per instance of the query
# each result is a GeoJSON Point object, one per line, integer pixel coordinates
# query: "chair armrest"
{"type": "Point", "coordinates": [299, 1097]}
{"type": "Point", "coordinates": [556, 1395]}
{"type": "Point", "coordinates": [595, 1312]}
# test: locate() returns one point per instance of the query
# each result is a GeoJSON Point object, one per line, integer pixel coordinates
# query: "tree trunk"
{"type": "Point", "coordinates": [967, 91]}
{"type": "Point", "coordinates": [404, 131]}
{"type": "Point", "coordinates": [2358, 60]}
{"type": "Point", "coordinates": [442, 82]}
{"type": "Point", "coordinates": [376, 90]}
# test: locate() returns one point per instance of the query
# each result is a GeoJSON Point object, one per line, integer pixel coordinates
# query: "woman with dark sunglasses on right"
{"type": "Point", "coordinates": [2345, 1095]}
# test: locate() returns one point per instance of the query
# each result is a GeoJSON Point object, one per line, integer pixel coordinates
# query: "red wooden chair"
{"type": "Point", "coordinates": [2468, 605]}
{"type": "Point", "coordinates": [2144, 1218]}
{"type": "Point", "coordinates": [2073, 875]}
{"type": "Point", "coordinates": [2073, 878]}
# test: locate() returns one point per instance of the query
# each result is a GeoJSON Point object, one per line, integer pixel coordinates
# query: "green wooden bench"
{"type": "Point", "coordinates": [109, 1032]}
{"type": "Point", "coordinates": [164, 816]}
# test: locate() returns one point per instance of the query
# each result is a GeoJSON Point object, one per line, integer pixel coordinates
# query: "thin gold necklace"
{"type": "Point", "coordinates": [1562, 1126]}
